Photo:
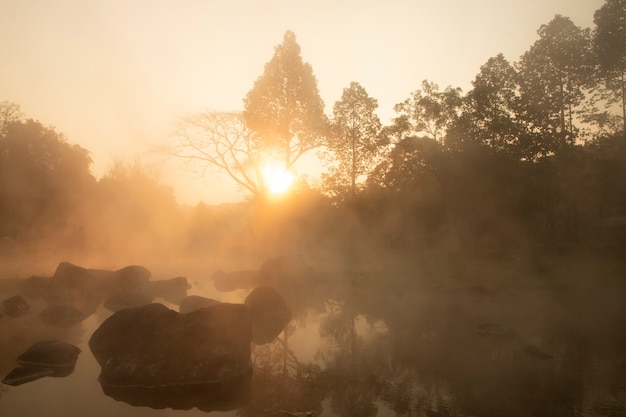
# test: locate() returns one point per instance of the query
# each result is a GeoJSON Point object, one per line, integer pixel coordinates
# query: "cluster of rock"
{"type": "Point", "coordinates": [72, 294]}
{"type": "Point", "coordinates": [154, 356]}
{"type": "Point", "coordinates": [150, 354]}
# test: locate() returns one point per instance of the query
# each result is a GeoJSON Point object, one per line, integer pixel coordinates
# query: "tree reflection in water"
{"type": "Point", "coordinates": [463, 350]}
{"type": "Point", "coordinates": [281, 385]}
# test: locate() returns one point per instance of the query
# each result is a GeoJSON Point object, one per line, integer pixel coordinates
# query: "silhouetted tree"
{"type": "Point", "coordinates": [220, 141]}
{"type": "Point", "coordinates": [490, 113]}
{"type": "Point", "coordinates": [427, 112]}
{"type": "Point", "coordinates": [284, 106]}
{"type": "Point", "coordinates": [9, 113]}
{"type": "Point", "coordinates": [354, 143]}
{"type": "Point", "coordinates": [43, 180]}
{"type": "Point", "coordinates": [610, 47]}
{"type": "Point", "coordinates": [553, 74]}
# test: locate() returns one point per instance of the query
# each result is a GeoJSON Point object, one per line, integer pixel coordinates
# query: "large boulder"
{"type": "Point", "coordinates": [74, 286]}
{"type": "Point", "coordinates": [269, 312]}
{"type": "Point", "coordinates": [127, 279]}
{"type": "Point", "coordinates": [152, 346]}
{"type": "Point", "coordinates": [195, 302]}
{"type": "Point", "coordinates": [172, 290]}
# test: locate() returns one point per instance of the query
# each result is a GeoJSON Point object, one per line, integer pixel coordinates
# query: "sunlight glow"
{"type": "Point", "coordinates": [277, 179]}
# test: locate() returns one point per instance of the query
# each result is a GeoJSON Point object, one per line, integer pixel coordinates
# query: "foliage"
{"type": "Point", "coordinates": [553, 74]}
{"type": "Point", "coordinates": [284, 106]}
{"type": "Point", "coordinates": [354, 143]}
{"type": "Point", "coordinates": [490, 113]}
{"type": "Point", "coordinates": [427, 112]}
{"type": "Point", "coordinates": [610, 47]}
{"type": "Point", "coordinates": [43, 180]}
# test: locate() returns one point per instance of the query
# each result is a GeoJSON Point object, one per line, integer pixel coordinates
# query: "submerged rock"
{"type": "Point", "coordinates": [23, 374]}
{"type": "Point", "coordinates": [14, 306]}
{"type": "Point", "coordinates": [44, 358]}
{"type": "Point", "coordinates": [172, 290]}
{"type": "Point", "coordinates": [50, 353]}
{"type": "Point", "coordinates": [74, 286]}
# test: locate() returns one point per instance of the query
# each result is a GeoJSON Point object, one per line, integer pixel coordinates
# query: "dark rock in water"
{"type": "Point", "coordinates": [24, 374]}
{"type": "Point", "coordinates": [152, 346]}
{"type": "Point", "coordinates": [131, 277]}
{"type": "Point", "coordinates": [61, 316]}
{"type": "Point", "coordinates": [127, 279]}
{"type": "Point", "coordinates": [74, 286]}
{"type": "Point", "coordinates": [196, 302]}
{"type": "Point", "coordinates": [269, 312]}
{"type": "Point", "coordinates": [44, 358]}
{"type": "Point", "coordinates": [14, 306]}
{"type": "Point", "coordinates": [122, 300]}
{"type": "Point", "coordinates": [172, 290]}
{"type": "Point", "coordinates": [50, 354]}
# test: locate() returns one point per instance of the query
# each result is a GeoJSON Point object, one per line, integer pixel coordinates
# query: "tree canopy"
{"type": "Point", "coordinates": [284, 106]}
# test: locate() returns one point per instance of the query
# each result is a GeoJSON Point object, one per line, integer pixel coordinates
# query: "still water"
{"type": "Point", "coordinates": [377, 343]}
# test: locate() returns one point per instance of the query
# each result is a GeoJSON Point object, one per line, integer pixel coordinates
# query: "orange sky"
{"type": "Point", "coordinates": [113, 75]}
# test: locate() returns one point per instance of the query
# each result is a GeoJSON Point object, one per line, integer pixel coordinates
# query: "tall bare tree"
{"type": "Point", "coordinates": [220, 141]}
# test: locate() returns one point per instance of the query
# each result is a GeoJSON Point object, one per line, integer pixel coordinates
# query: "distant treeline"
{"type": "Point", "coordinates": [531, 159]}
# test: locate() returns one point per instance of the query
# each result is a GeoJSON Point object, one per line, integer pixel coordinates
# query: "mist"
{"type": "Point", "coordinates": [464, 258]}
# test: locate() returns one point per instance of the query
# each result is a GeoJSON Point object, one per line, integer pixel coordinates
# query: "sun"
{"type": "Point", "coordinates": [277, 179]}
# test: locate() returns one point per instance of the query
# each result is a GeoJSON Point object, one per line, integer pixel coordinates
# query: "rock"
{"type": "Point", "coordinates": [61, 316]}
{"type": "Point", "coordinates": [195, 302]}
{"type": "Point", "coordinates": [152, 346]}
{"type": "Point", "coordinates": [44, 358]}
{"type": "Point", "coordinates": [172, 290]}
{"type": "Point", "coordinates": [50, 353]}
{"type": "Point", "coordinates": [127, 279]}
{"type": "Point", "coordinates": [269, 312]}
{"type": "Point", "coordinates": [24, 374]}
{"type": "Point", "coordinates": [14, 306]}
{"type": "Point", "coordinates": [74, 286]}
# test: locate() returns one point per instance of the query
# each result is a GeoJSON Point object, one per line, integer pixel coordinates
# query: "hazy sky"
{"type": "Point", "coordinates": [113, 75]}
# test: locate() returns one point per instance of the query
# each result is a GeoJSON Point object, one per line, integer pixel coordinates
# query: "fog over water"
{"type": "Point", "coordinates": [465, 256]}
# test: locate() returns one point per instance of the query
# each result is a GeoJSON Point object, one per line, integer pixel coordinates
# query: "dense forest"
{"type": "Point", "coordinates": [529, 163]}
